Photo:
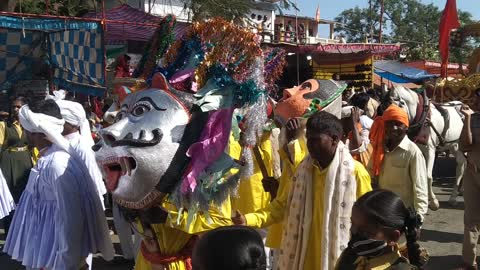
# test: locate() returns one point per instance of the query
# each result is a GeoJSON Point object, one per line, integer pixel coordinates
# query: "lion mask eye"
{"type": "Point", "coordinates": [140, 109]}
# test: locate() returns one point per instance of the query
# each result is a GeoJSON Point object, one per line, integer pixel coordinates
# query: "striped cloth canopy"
{"type": "Point", "coordinates": [69, 50]}
{"type": "Point", "coordinates": [120, 33]}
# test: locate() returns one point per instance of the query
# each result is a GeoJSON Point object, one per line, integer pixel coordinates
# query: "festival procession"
{"type": "Point", "coordinates": [239, 134]}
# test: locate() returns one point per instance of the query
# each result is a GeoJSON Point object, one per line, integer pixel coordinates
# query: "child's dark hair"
{"type": "Point", "coordinates": [48, 107]}
{"type": "Point", "coordinates": [386, 209]}
{"type": "Point", "coordinates": [234, 248]}
{"type": "Point", "coordinates": [326, 123]}
{"type": "Point", "coordinates": [360, 100]}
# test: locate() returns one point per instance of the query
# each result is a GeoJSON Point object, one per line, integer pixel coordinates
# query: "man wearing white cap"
{"type": "Point", "coordinates": [77, 132]}
{"type": "Point", "coordinates": [59, 220]}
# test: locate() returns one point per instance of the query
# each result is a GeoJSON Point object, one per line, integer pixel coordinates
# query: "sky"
{"type": "Point", "coordinates": [330, 9]}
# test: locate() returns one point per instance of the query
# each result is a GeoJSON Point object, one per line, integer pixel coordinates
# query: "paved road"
{"type": "Point", "coordinates": [442, 235]}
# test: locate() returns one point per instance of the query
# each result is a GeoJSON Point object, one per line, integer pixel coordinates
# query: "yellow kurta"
{"type": "Point", "coordinates": [251, 195]}
{"type": "Point", "coordinates": [276, 211]}
{"type": "Point", "coordinates": [35, 154]}
{"type": "Point", "coordinates": [17, 127]}
{"type": "Point", "coordinates": [174, 234]}
{"type": "Point", "coordinates": [275, 232]}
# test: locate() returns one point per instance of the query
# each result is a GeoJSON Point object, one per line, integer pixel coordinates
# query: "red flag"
{"type": "Point", "coordinates": [448, 22]}
{"type": "Point", "coordinates": [317, 15]}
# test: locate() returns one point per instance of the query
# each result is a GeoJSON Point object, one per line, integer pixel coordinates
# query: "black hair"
{"type": "Point", "coordinates": [326, 123]}
{"type": "Point", "coordinates": [386, 209]}
{"type": "Point", "coordinates": [48, 107]}
{"type": "Point", "coordinates": [23, 100]}
{"type": "Point", "coordinates": [360, 100]}
{"type": "Point", "coordinates": [233, 248]}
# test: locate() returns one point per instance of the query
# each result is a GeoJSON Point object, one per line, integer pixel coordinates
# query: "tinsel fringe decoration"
{"type": "Point", "coordinates": [156, 47]}
{"type": "Point", "coordinates": [256, 119]}
{"type": "Point", "coordinates": [224, 44]}
{"type": "Point", "coordinates": [274, 64]}
{"type": "Point", "coordinates": [202, 198]}
{"type": "Point", "coordinates": [247, 157]}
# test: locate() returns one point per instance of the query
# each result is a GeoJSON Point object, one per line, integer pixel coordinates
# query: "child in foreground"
{"type": "Point", "coordinates": [234, 248]}
{"type": "Point", "coordinates": [379, 220]}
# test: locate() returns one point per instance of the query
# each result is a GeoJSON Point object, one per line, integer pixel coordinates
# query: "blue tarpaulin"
{"type": "Point", "coordinates": [398, 73]}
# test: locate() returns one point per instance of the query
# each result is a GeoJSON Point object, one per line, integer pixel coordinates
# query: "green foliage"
{"type": "Point", "coordinates": [234, 10]}
{"type": "Point", "coordinates": [56, 7]}
{"type": "Point", "coordinates": [409, 22]}
{"type": "Point", "coordinates": [7, 5]}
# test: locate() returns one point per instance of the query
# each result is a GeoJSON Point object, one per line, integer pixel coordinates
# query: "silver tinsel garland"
{"type": "Point", "coordinates": [255, 120]}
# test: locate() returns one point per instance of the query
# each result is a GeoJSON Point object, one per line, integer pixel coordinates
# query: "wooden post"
{"type": "Point", "coordinates": [332, 30]}
{"type": "Point", "coordinates": [47, 9]}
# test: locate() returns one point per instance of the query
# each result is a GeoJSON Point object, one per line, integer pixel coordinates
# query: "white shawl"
{"type": "Point", "coordinates": [339, 196]}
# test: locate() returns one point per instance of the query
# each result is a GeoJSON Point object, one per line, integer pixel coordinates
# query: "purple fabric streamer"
{"type": "Point", "coordinates": [181, 80]}
{"type": "Point", "coordinates": [209, 148]}
{"type": "Point", "coordinates": [182, 75]}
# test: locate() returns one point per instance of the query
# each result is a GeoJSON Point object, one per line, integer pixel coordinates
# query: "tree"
{"type": "Point", "coordinates": [234, 10]}
{"type": "Point", "coordinates": [7, 5]}
{"type": "Point", "coordinates": [71, 8]}
{"type": "Point", "coordinates": [409, 22]}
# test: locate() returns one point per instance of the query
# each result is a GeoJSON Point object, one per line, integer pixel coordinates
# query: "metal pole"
{"type": "Point", "coordinates": [296, 37]}
{"type": "Point", "coordinates": [104, 27]}
{"type": "Point", "coordinates": [381, 21]}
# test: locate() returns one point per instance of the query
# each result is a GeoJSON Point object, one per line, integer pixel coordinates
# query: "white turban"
{"type": "Point", "coordinates": [347, 111]}
{"type": "Point", "coordinates": [74, 114]}
{"type": "Point", "coordinates": [51, 126]}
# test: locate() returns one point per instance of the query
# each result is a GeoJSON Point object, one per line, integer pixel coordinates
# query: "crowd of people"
{"type": "Point", "coordinates": [326, 193]}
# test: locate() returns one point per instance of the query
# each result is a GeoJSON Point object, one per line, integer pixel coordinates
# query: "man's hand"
{"type": "Point", "coordinates": [355, 115]}
{"type": "Point", "coordinates": [270, 185]}
{"type": "Point", "coordinates": [293, 128]}
{"type": "Point", "coordinates": [467, 111]}
{"type": "Point", "coordinates": [239, 219]}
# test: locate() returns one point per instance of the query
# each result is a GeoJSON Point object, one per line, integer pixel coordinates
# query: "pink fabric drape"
{"type": "Point", "coordinates": [209, 148]}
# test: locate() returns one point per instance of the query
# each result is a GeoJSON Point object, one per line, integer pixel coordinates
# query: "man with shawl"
{"type": "Point", "coordinates": [77, 131]}
{"type": "Point", "coordinates": [316, 213]}
{"type": "Point", "coordinates": [59, 220]}
{"type": "Point", "coordinates": [397, 161]}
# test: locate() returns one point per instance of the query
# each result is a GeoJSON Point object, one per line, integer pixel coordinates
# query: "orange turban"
{"type": "Point", "coordinates": [377, 134]}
